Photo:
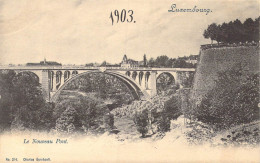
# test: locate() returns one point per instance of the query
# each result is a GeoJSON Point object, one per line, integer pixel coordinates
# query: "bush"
{"type": "Point", "coordinates": [141, 120]}
{"type": "Point", "coordinates": [68, 121]}
{"type": "Point", "coordinates": [234, 99]}
{"type": "Point", "coordinates": [90, 112]}
{"type": "Point", "coordinates": [109, 121]}
{"type": "Point", "coordinates": [173, 107]}
{"type": "Point", "coordinates": [164, 122]}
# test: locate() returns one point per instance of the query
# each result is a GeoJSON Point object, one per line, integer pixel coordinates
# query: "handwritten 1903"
{"type": "Point", "coordinates": [122, 16]}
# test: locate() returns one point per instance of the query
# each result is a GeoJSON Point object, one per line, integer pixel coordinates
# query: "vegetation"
{"type": "Point", "coordinates": [22, 105]}
{"type": "Point", "coordinates": [82, 115]}
{"type": "Point", "coordinates": [105, 86]}
{"type": "Point", "coordinates": [234, 99]}
{"type": "Point", "coordinates": [68, 122]}
{"type": "Point", "coordinates": [109, 121]}
{"type": "Point", "coordinates": [141, 120]}
{"type": "Point", "coordinates": [164, 61]}
{"type": "Point", "coordinates": [234, 31]}
{"type": "Point", "coordinates": [165, 83]}
{"type": "Point", "coordinates": [160, 61]}
{"type": "Point", "coordinates": [172, 107]}
{"type": "Point", "coordinates": [155, 116]}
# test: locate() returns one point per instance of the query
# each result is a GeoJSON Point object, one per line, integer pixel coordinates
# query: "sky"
{"type": "Point", "coordinates": [80, 31]}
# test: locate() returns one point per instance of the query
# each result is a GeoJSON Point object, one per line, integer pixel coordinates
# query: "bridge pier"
{"type": "Point", "coordinates": [152, 84]}
{"type": "Point", "coordinates": [45, 84]}
{"type": "Point", "coordinates": [62, 79]}
{"type": "Point", "coordinates": [54, 79]}
{"type": "Point", "coordinates": [143, 81]}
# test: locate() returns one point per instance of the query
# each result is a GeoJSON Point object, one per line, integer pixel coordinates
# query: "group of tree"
{"type": "Point", "coordinates": [156, 117]}
{"type": "Point", "coordinates": [83, 115]}
{"type": "Point", "coordinates": [234, 31]}
{"type": "Point", "coordinates": [160, 61]}
{"type": "Point", "coordinates": [23, 107]}
{"type": "Point", "coordinates": [165, 61]}
{"type": "Point", "coordinates": [22, 104]}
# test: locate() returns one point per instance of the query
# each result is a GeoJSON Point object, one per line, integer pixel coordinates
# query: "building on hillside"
{"type": "Point", "coordinates": [192, 59]}
{"type": "Point", "coordinates": [44, 63]}
{"type": "Point", "coordinates": [141, 63]}
{"type": "Point", "coordinates": [127, 63]}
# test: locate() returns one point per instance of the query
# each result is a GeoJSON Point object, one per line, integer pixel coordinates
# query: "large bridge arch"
{"type": "Point", "coordinates": [135, 89]}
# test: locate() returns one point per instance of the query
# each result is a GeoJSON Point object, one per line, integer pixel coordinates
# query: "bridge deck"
{"type": "Point", "coordinates": [92, 68]}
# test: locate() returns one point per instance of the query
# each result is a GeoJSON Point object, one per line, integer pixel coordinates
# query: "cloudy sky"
{"type": "Point", "coordinates": [80, 31]}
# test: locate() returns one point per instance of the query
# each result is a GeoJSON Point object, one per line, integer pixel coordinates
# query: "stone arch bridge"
{"type": "Point", "coordinates": [141, 81]}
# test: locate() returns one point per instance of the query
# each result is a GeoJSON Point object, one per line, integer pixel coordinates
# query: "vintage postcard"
{"type": "Point", "coordinates": [129, 81]}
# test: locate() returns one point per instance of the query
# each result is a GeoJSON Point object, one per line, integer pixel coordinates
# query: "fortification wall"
{"type": "Point", "coordinates": [214, 60]}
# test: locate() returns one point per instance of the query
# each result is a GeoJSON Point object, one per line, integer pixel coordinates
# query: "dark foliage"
{"type": "Point", "coordinates": [186, 80]}
{"type": "Point", "coordinates": [89, 113]}
{"type": "Point", "coordinates": [164, 61]}
{"type": "Point", "coordinates": [234, 31]}
{"type": "Point", "coordinates": [68, 121]}
{"type": "Point", "coordinates": [141, 120]}
{"type": "Point", "coordinates": [172, 107]}
{"type": "Point", "coordinates": [6, 98]}
{"type": "Point", "coordinates": [234, 100]}
{"type": "Point", "coordinates": [164, 122]}
{"type": "Point", "coordinates": [165, 82]}
{"type": "Point", "coordinates": [109, 121]}
{"type": "Point", "coordinates": [105, 86]}
{"type": "Point", "coordinates": [22, 104]}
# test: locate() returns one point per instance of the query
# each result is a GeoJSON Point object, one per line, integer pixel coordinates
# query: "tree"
{"type": "Point", "coordinates": [164, 122]}
{"type": "Point", "coordinates": [22, 103]}
{"type": "Point", "coordinates": [109, 121]}
{"type": "Point", "coordinates": [172, 107]}
{"type": "Point", "coordinates": [6, 98]}
{"type": "Point", "coordinates": [234, 31]}
{"type": "Point", "coordinates": [151, 62]}
{"type": "Point", "coordinates": [27, 91]}
{"type": "Point", "coordinates": [179, 63]}
{"type": "Point", "coordinates": [103, 64]}
{"type": "Point", "coordinates": [249, 29]}
{"type": "Point", "coordinates": [170, 62]}
{"type": "Point", "coordinates": [68, 122]}
{"type": "Point", "coordinates": [145, 61]}
{"type": "Point", "coordinates": [211, 32]}
{"type": "Point", "coordinates": [28, 99]}
{"type": "Point", "coordinates": [161, 61]}
{"type": "Point", "coordinates": [142, 122]}
{"type": "Point", "coordinates": [238, 31]}
{"type": "Point", "coordinates": [223, 33]}
{"type": "Point", "coordinates": [256, 30]}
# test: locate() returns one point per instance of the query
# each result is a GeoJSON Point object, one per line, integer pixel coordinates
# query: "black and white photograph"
{"type": "Point", "coordinates": [129, 81]}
